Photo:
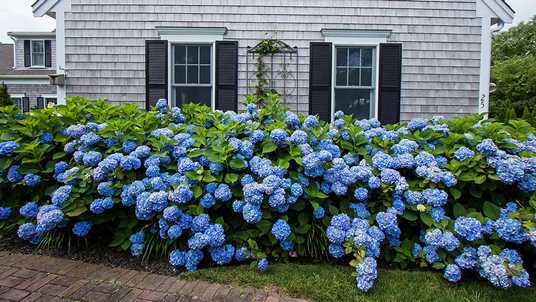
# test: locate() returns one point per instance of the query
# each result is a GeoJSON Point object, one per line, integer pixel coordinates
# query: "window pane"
{"type": "Point", "coordinates": [185, 95]}
{"type": "Point", "coordinates": [354, 57]}
{"type": "Point", "coordinates": [341, 77]}
{"type": "Point", "coordinates": [192, 54]}
{"type": "Point", "coordinates": [180, 75]}
{"type": "Point", "coordinates": [204, 54]}
{"type": "Point", "coordinates": [180, 54]}
{"type": "Point", "coordinates": [192, 75]}
{"type": "Point", "coordinates": [353, 101]}
{"type": "Point", "coordinates": [37, 59]}
{"type": "Point", "coordinates": [366, 57]}
{"type": "Point", "coordinates": [366, 76]}
{"type": "Point", "coordinates": [353, 77]}
{"type": "Point", "coordinates": [204, 74]}
{"type": "Point", "coordinates": [37, 46]}
{"type": "Point", "coordinates": [342, 56]}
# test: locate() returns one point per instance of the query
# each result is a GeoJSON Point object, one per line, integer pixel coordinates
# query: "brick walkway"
{"type": "Point", "coordinates": [42, 278]}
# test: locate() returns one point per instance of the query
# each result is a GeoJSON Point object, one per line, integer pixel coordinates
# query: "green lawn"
{"type": "Point", "coordinates": [326, 283]}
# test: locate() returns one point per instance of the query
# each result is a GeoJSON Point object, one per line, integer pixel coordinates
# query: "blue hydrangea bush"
{"type": "Point", "coordinates": [266, 185]}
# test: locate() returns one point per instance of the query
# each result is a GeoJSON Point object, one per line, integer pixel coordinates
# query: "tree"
{"type": "Point", "coordinates": [514, 69]}
{"type": "Point", "coordinates": [5, 99]}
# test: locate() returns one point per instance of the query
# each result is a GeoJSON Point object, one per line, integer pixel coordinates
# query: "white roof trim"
{"type": "Point", "coordinates": [348, 33]}
{"type": "Point", "coordinates": [29, 34]}
{"type": "Point", "coordinates": [191, 31]}
{"type": "Point", "coordinates": [42, 7]}
{"type": "Point", "coordinates": [495, 8]}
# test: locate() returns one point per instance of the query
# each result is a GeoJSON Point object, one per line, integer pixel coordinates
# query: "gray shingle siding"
{"type": "Point", "coordinates": [441, 43]}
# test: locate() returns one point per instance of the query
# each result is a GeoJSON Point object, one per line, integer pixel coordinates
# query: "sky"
{"type": "Point", "coordinates": [16, 15]}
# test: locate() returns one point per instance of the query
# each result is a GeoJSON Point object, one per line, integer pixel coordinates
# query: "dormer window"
{"type": "Point", "coordinates": [38, 53]}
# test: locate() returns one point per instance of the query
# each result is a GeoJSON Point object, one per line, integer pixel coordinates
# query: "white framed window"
{"type": "Point", "coordinates": [37, 53]}
{"type": "Point", "coordinates": [355, 71]}
{"type": "Point", "coordinates": [191, 50]}
{"type": "Point", "coordinates": [17, 100]}
{"type": "Point", "coordinates": [355, 83]}
{"type": "Point", "coordinates": [49, 100]}
{"type": "Point", "coordinates": [192, 77]}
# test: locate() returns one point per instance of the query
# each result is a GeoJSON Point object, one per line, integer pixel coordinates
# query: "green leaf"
{"type": "Point", "coordinates": [237, 164]}
{"type": "Point", "coordinates": [458, 210]}
{"type": "Point", "coordinates": [410, 216]}
{"type": "Point", "coordinates": [231, 178]}
{"type": "Point", "coordinates": [491, 210]}
{"type": "Point", "coordinates": [268, 147]}
{"type": "Point", "coordinates": [76, 212]}
{"type": "Point", "coordinates": [456, 193]}
{"type": "Point", "coordinates": [427, 219]}
{"type": "Point", "coordinates": [303, 218]}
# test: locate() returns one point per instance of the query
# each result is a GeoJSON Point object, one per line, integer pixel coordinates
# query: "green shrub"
{"type": "Point", "coordinates": [193, 184]}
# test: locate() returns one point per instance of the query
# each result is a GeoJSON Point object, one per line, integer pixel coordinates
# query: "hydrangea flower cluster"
{"type": "Point", "coordinates": [226, 186]}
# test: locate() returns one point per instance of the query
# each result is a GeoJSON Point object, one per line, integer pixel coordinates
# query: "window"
{"type": "Point", "coordinates": [38, 53]}
{"type": "Point", "coordinates": [355, 79]}
{"type": "Point", "coordinates": [50, 102]}
{"type": "Point", "coordinates": [17, 101]}
{"type": "Point", "coordinates": [192, 74]}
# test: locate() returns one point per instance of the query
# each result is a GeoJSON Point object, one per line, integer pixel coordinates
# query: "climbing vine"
{"type": "Point", "coordinates": [264, 48]}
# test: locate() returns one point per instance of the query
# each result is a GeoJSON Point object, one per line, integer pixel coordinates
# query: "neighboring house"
{"type": "Point", "coordinates": [25, 67]}
{"type": "Point", "coordinates": [391, 59]}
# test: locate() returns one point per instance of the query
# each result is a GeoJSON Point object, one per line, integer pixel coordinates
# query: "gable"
{"type": "Point", "coordinates": [496, 9]}
{"type": "Point", "coordinates": [44, 7]}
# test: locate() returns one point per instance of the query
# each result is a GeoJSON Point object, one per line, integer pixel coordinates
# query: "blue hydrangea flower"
{"type": "Point", "coordinates": [452, 273]}
{"type": "Point", "coordinates": [279, 136]}
{"type": "Point", "coordinates": [336, 250]}
{"type": "Point", "coordinates": [468, 228]}
{"type": "Point", "coordinates": [7, 148]}
{"type": "Point", "coordinates": [222, 255]}
{"type": "Point", "coordinates": [81, 228]}
{"type": "Point", "coordinates": [177, 258]}
{"type": "Point", "coordinates": [181, 195]}
{"type": "Point", "coordinates": [361, 194]}
{"type": "Point", "coordinates": [29, 210]}
{"type": "Point", "coordinates": [4, 213]}
{"type": "Point", "coordinates": [262, 265]}
{"type": "Point", "coordinates": [106, 189]}
{"type": "Point", "coordinates": [318, 213]}
{"type": "Point", "coordinates": [464, 153]}
{"type": "Point", "coordinates": [223, 193]}
{"type": "Point", "coordinates": [366, 274]}
{"type": "Point", "coordinates": [281, 230]}
{"type": "Point", "coordinates": [242, 254]}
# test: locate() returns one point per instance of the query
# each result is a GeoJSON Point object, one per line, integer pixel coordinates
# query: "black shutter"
{"type": "Point", "coordinates": [390, 82]}
{"type": "Point", "coordinates": [320, 70]}
{"type": "Point", "coordinates": [227, 75]}
{"type": "Point", "coordinates": [25, 104]}
{"type": "Point", "coordinates": [40, 103]}
{"type": "Point", "coordinates": [48, 53]}
{"type": "Point", "coordinates": [27, 53]}
{"type": "Point", "coordinates": [156, 71]}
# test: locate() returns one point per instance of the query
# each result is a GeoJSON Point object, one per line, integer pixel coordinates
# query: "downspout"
{"type": "Point", "coordinates": [496, 27]}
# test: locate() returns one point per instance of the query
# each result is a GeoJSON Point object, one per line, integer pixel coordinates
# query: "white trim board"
{"type": "Point", "coordinates": [192, 36]}
{"type": "Point", "coordinates": [356, 38]}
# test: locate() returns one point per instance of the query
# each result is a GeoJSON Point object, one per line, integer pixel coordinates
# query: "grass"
{"type": "Point", "coordinates": [325, 283]}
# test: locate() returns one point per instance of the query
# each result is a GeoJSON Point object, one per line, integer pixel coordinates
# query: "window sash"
{"type": "Point", "coordinates": [359, 67]}
{"type": "Point", "coordinates": [37, 53]}
{"type": "Point", "coordinates": [198, 65]}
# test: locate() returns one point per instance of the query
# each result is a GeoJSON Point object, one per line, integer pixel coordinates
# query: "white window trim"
{"type": "Point", "coordinates": [17, 96]}
{"type": "Point", "coordinates": [192, 36]}
{"type": "Point", "coordinates": [44, 55]}
{"type": "Point", "coordinates": [49, 96]}
{"type": "Point", "coordinates": [340, 38]}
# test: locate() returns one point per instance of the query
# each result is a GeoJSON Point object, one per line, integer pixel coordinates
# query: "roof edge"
{"type": "Point", "coordinates": [25, 34]}
{"type": "Point", "coordinates": [42, 7]}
